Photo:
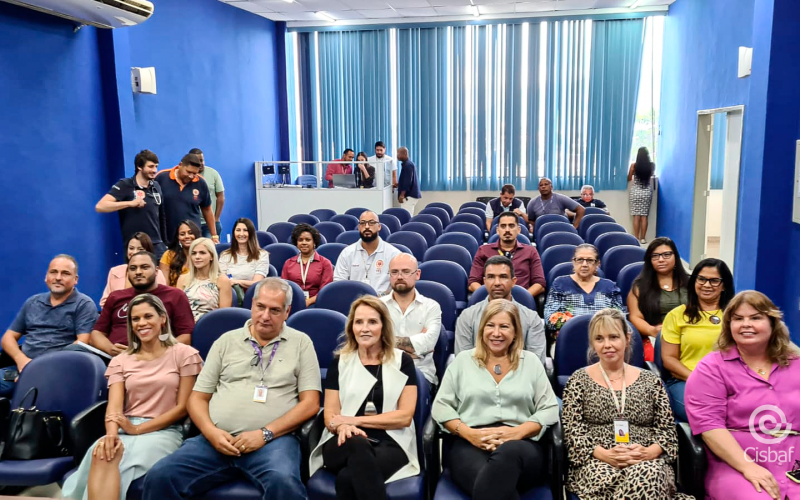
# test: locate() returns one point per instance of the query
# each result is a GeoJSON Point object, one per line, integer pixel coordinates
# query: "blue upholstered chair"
{"type": "Point", "coordinates": [444, 296]}
{"type": "Point", "coordinates": [304, 219]}
{"type": "Point", "coordinates": [590, 220]}
{"type": "Point", "coordinates": [443, 215]}
{"type": "Point", "coordinates": [626, 276]}
{"type": "Point", "coordinates": [464, 240]}
{"type": "Point", "coordinates": [558, 238]}
{"type": "Point", "coordinates": [471, 204]}
{"type": "Point", "coordinates": [331, 251]}
{"type": "Point", "coordinates": [356, 212]}
{"type": "Point", "coordinates": [282, 231]}
{"type": "Point", "coordinates": [444, 206]}
{"type": "Point", "coordinates": [213, 324]}
{"type": "Point", "coordinates": [466, 227]}
{"type": "Point", "coordinates": [607, 241]}
{"type": "Point", "coordinates": [339, 295]}
{"type": "Point", "coordinates": [330, 230]}
{"type": "Point", "coordinates": [480, 222]}
{"type": "Point", "coordinates": [432, 221]}
{"type": "Point", "coordinates": [619, 257]}
{"type": "Point", "coordinates": [264, 238]}
{"type": "Point", "coordinates": [414, 241]}
{"type": "Point", "coordinates": [349, 222]}
{"type": "Point", "coordinates": [279, 253]}
{"type": "Point", "coordinates": [600, 228]}
{"type": "Point", "coordinates": [390, 221]}
{"type": "Point", "coordinates": [324, 327]}
{"type": "Point", "coordinates": [323, 214]}
{"type": "Point", "coordinates": [450, 275]}
{"type": "Point", "coordinates": [520, 237]}
{"type": "Point", "coordinates": [556, 255]}
{"type": "Point", "coordinates": [422, 228]}
{"type": "Point", "coordinates": [520, 295]}
{"type": "Point", "coordinates": [453, 253]}
{"type": "Point", "coordinates": [401, 213]}
{"type": "Point", "coordinates": [348, 237]}
{"type": "Point", "coordinates": [553, 227]}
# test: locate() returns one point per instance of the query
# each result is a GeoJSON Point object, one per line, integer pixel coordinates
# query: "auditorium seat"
{"type": "Point", "coordinates": [519, 294]}
{"type": "Point", "coordinates": [331, 251]}
{"type": "Point", "coordinates": [444, 206]}
{"type": "Point", "coordinates": [480, 212]}
{"type": "Point", "coordinates": [432, 221]}
{"type": "Point", "coordinates": [304, 219]}
{"type": "Point", "coordinates": [556, 255]}
{"type": "Point", "coordinates": [403, 248]}
{"type": "Point", "coordinates": [221, 247]}
{"type": "Point", "coordinates": [523, 227]}
{"type": "Point", "coordinates": [384, 232]}
{"type": "Point", "coordinates": [279, 252]}
{"type": "Point", "coordinates": [625, 278]}
{"type": "Point", "coordinates": [450, 275]}
{"type": "Point", "coordinates": [306, 181]}
{"type": "Point", "coordinates": [606, 241]}
{"type": "Point", "coordinates": [348, 237]}
{"type": "Point", "coordinates": [443, 296]}
{"type": "Point", "coordinates": [272, 273]}
{"type": "Point", "coordinates": [214, 323]}
{"type": "Point", "coordinates": [282, 231]}
{"type": "Point", "coordinates": [265, 238]}
{"type": "Point", "coordinates": [471, 204]}
{"type": "Point", "coordinates": [594, 211]}
{"type": "Point", "coordinates": [401, 213]}
{"type": "Point", "coordinates": [339, 295]}
{"type": "Point", "coordinates": [544, 219]}
{"type": "Point", "coordinates": [520, 237]}
{"type": "Point", "coordinates": [553, 227]}
{"type": "Point", "coordinates": [415, 242]}
{"type": "Point", "coordinates": [479, 222]}
{"type": "Point", "coordinates": [390, 221]}
{"type": "Point", "coordinates": [602, 228]}
{"type": "Point", "coordinates": [466, 227]}
{"type": "Point", "coordinates": [453, 253]}
{"type": "Point", "coordinates": [440, 213]}
{"type": "Point", "coordinates": [589, 220]}
{"type": "Point", "coordinates": [558, 238]}
{"type": "Point", "coordinates": [565, 269]}
{"type": "Point", "coordinates": [323, 214]}
{"type": "Point", "coordinates": [619, 257]}
{"type": "Point", "coordinates": [422, 228]}
{"type": "Point", "coordinates": [349, 222]}
{"type": "Point", "coordinates": [324, 327]}
{"type": "Point", "coordinates": [356, 212]}
{"type": "Point", "coordinates": [463, 240]}
{"type": "Point", "coordinates": [330, 230]}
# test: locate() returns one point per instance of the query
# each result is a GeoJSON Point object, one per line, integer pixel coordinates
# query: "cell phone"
{"type": "Point", "coordinates": [794, 475]}
{"type": "Point", "coordinates": [10, 375]}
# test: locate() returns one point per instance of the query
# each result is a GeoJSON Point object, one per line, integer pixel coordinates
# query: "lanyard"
{"type": "Point", "coordinates": [304, 270]}
{"type": "Point", "coordinates": [260, 355]}
{"type": "Point", "coordinates": [620, 409]}
{"type": "Point", "coordinates": [367, 267]}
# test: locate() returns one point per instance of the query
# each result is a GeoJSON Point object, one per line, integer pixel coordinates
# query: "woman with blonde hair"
{"type": "Point", "coordinates": [205, 286]}
{"type": "Point", "coordinates": [370, 399]}
{"type": "Point", "coordinates": [618, 426]}
{"type": "Point", "coordinates": [148, 386]}
{"type": "Point", "coordinates": [498, 455]}
{"type": "Point", "coordinates": [743, 399]}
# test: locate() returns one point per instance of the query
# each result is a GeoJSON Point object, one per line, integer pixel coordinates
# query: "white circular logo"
{"type": "Point", "coordinates": [770, 419]}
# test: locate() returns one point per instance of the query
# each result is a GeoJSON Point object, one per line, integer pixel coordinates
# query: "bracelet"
{"type": "Point", "coordinates": [455, 431]}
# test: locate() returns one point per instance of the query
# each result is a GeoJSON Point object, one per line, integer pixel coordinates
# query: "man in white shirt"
{"type": "Point", "coordinates": [381, 159]}
{"type": "Point", "coordinates": [417, 319]}
{"type": "Point", "coordinates": [367, 260]}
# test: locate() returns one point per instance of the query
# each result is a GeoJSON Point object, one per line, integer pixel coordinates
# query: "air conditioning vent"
{"type": "Point", "coordinates": [98, 13]}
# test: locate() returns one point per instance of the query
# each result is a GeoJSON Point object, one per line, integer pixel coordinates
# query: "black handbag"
{"type": "Point", "coordinates": [34, 434]}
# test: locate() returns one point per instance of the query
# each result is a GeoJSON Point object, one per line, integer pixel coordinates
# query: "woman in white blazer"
{"type": "Point", "coordinates": [370, 398]}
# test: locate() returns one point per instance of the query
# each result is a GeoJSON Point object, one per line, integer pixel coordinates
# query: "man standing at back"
{"type": "Point", "coordinates": [340, 168]}
{"type": "Point", "coordinates": [383, 161]}
{"type": "Point", "coordinates": [506, 202]}
{"type": "Point", "coordinates": [408, 186]}
{"type": "Point", "coordinates": [367, 260]}
{"type": "Point", "coordinates": [186, 195]}
{"type": "Point", "coordinates": [549, 202]}
{"type": "Point", "coordinates": [216, 191]}
{"type": "Point", "coordinates": [139, 202]}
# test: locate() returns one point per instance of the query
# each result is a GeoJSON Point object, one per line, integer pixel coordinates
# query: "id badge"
{"type": "Point", "coordinates": [306, 294]}
{"type": "Point", "coordinates": [621, 431]}
{"type": "Point", "coordinates": [370, 409]}
{"type": "Point", "coordinates": [260, 394]}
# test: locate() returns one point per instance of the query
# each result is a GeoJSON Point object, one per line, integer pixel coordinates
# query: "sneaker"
{"type": "Point", "coordinates": [642, 241]}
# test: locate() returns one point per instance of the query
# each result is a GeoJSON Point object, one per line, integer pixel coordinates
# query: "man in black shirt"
{"type": "Point", "coordinates": [139, 202]}
{"type": "Point", "coordinates": [186, 195]}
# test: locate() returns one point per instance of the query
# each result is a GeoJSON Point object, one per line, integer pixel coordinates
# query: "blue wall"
{"type": "Point", "coordinates": [71, 125]}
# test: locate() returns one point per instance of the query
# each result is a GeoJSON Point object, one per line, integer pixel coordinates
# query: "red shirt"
{"type": "Point", "coordinates": [336, 168]}
{"type": "Point", "coordinates": [527, 264]}
{"type": "Point", "coordinates": [113, 320]}
{"type": "Point", "coordinates": [319, 274]}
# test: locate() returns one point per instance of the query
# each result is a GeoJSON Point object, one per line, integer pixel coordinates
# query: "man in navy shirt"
{"type": "Point", "coordinates": [186, 195]}
{"type": "Point", "coordinates": [139, 202]}
{"type": "Point", "coordinates": [408, 185]}
{"type": "Point", "coordinates": [50, 321]}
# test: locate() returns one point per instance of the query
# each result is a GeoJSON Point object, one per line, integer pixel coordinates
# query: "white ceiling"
{"type": "Point", "coordinates": [350, 12]}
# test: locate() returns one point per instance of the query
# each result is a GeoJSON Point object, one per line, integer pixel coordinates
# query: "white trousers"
{"type": "Point", "coordinates": [409, 204]}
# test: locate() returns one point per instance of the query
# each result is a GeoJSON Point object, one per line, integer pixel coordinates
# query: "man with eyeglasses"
{"type": "Point", "coordinates": [186, 195]}
{"type": "Point", "coordinates": [527, 263]}
{"type": "Point", "coordinates": [417, 319]}
{"type": "Point", "coordinates": [258, 385]}
{"type": "Point", "coordinates": [367, 260]}
{"type": "Point", "coordinates": [499, 279]}
{"type": "Point", "coordinates": [138, 201]}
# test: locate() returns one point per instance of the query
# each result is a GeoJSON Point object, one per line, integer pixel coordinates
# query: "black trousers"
{"type": "Point", "coordinates": [361, 467]}
{"type": "Point", "coordinates": [513, 468]}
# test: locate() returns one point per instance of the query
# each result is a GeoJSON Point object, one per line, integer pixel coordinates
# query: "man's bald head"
{"type": "Point", "coordinates": [402, 153]}
{"type": "Point", "coordinates": [403, 273]}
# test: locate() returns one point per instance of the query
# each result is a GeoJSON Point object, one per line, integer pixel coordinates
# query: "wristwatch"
{"type": "Point", "coordinates": [268, 435]}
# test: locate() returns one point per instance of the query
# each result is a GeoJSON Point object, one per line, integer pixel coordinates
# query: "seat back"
{"type": "Point", "coordinates": [463, 240]}
{"type": "Point", "coordinates": [619, 257]}
{"type": "Point", "coordinates": [523, 227]}
{"type": "Point", "coordinates": [471, 204]}
{"type": "Point", "coordinates": [626, 276]}
{"type": "Point", "coordinates": [590, 220]}
{"type": "Point", "coordinates": [214, 323]}
{"type": "Point", "coordinates": [453, 253]}
{"type": "Point", "coordinates": [348, 237]}
{"type": "Point", "coordinates": [390, 221]}
{"type": "Point", "coordinates": [415, 242]}
{"type": "Point", "coordinates": [565, 269]}
{"type": "Point", "coordinates": [324, 327]}
{"type": "Point", "coordinates": [423, 229]}
{"type": "Point", "coordinates": [282, 231]}
{"type": "Point", "coordinates": [272, 273]}
{"type": "Point", "coordinates": [471, 218]}
{"type": "Point", "coordinates": [384, 232]}
{"type": "Point", "coordinates": [658, 360]}
{"type": "Point", "coordinates": [439, 213]}
{"type": "Point", "coordinates": [558, 238]}
{"type": "Point", "coordinates": [304, 219]}
{"type": "Point", "coordinates": [442, 351]}
{"type": "Point", "coordinates": [444, 206]}
{"type": "Point", "coordinates": [606, 241]}
{"type": "Point", "coordinates": [466, 227]}
{"type": "Point", "coordinates": [331, 251]}
{"type": "Point", "coordinates": [330, 230]}
{"type": "Point", "coordinates": [602, 228]}
{"type": "Point", "coordinates": [557, 254]}
{"type": "Point", "coordinates": [347, 221]}
{"type": "Point", "coordinates": [323, 214]}
{"type": "Point", "coordinates": [520, 237]}
{"type": "Point", "coordinates": [279, 253]}
{"type": "Point", "coordinates": [432, 221]}
{"type": "Point", "coordinates": [298, 298]}
{"type": "Point", "coordinates": [594, 211]}
{"type": "Point", "coordinates": [518, 293]}
{"type": "Point", "coordinates": [478, 212]}
{"type": "Point", "coordinates": [553, 227]}
{"type": "Point", "coordinates": [339, 295]}
{"type": "Point", "coordinates": [221, 247]}
{"type": "Point", "coordinates": [401, 213]}
{"type": "Point", "coordinates": [403, 249]}
{"type": "Point", "coordinates": [422, 413]}
{"type": "Point", "coordinates": [264, 238]}
{"type": "Point", "coordinates": [444, 296]}
{"type": "Point", "coordinates": [448, 274]}
{"type": "Point", "coordinates": [306, 180]}
{"type": "Point", "coordinates": [356, 212]}
{"type": "Point", "coordinates": [544, 219]}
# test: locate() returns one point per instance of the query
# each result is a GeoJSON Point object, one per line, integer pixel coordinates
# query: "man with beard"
{"type": "Point", "coordinates": [382, 160]}
{"type": "Point", "coordinates": [110, 333]}
{"type": "Point", "coordinates": [139, 202]}
{"type": "Point", "coordinates": [499, 279]}
{"type": "Point", "coordinates": [50, 321]}
{"type": "Point", "coordinates": [367, 260]}
{"type": "Point", "coordinates": [417, 319]}
{"type": "Point", "coordinates": [528, 265]}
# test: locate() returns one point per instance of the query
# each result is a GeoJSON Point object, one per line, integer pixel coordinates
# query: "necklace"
{"type": "Point", "coordinates": [497, 370]}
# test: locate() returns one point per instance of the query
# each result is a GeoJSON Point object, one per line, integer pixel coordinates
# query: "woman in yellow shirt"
{"type": "Point", "coordinates": [690, 331]}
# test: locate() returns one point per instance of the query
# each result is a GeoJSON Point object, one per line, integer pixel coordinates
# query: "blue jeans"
{"type": "Point", "coordinates": [7, 386]}
{"type": "Point", "coordinates": [675, 389]}
{"type": "Point", "coordinates": [207, 233]}
{"type": "Point", "coordinates": [197, 467]}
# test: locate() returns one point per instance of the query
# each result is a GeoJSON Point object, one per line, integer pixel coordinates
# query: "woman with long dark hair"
{"type": "Point", "coordinates": [244, 263]}
{"type": "Point", "coordinates": [174, 261]}
{"type": "Point", "coordinates": [660, 288]}
{"type": "Point", "coordinates": [641, 193]}
{"type": "Point", "coordinates": [690, 331]}
{"type": "Point", "coordinates": [365, 173]}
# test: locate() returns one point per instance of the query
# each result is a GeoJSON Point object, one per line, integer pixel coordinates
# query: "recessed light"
{"type": "Point", "coordinates": [475, 11]}
{"type": "Point", "coordinates": [635, 4]}
{"type": "Point", "coordinates": [325, 16]}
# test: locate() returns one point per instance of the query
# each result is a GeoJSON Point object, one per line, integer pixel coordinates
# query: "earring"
{"type": "Point", "coordinates": [163, 337]}
{"type": "Point", "coordinates": [135, 345]}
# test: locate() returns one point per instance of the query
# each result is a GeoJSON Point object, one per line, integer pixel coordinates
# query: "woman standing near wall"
{"type": "Point", "coordinates": [641, 193]}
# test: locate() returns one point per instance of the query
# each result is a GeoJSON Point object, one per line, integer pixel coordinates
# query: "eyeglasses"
{"type": "Point", "coordinates": [659, 256]}
{"type": "Point", "coordinates": [368, 223]}
{"type": "Point", "coordinates": [584, 261]}
{"type": "Point", "coordinates": [401, 272]}
{"type": "Point", "coordinates": [714, 282]}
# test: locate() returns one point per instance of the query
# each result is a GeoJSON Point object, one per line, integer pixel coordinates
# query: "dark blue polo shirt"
{"type": "Point", "coordinates": [48, 328]}
{"type": "Point", "coordinates": [408, 182]}
{"type": "Point", "coordinates": [182, 202]}
{"type": "Point", "coordinates": [150, 219]}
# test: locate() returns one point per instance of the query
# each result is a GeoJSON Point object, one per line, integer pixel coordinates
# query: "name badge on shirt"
{"type": "Point", "coordinates": [306, 294]}
{"type": "Point", "coordinates": [260, 394]}
{"type": "Point", "coordinates": [621, 431]}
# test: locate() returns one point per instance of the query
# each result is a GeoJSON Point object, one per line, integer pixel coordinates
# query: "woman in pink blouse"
{"type": "Point", "coordinates": [738, 393]}
{"type": "Point", "coordinates": [148, 386]}
{"type": "Point", "coordinates": [118, 275]}
{"type": "Point", "coordinates": [310, 270]}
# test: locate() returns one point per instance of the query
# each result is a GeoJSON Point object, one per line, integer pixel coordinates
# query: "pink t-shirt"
{"type": "Point", "coordinates": [151, 387]}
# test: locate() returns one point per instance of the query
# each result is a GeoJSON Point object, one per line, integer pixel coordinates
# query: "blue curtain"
{"type": "Point", "coordinates": [718, 150]}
